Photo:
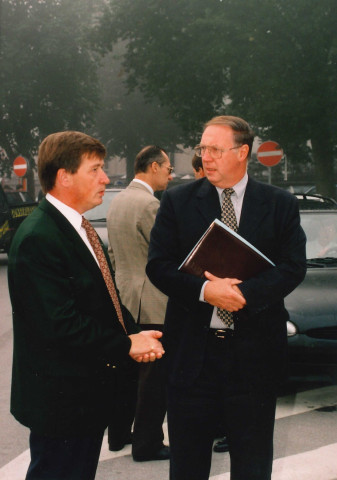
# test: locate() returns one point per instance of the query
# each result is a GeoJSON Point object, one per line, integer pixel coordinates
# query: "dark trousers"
{"type": "Point", "coordinates": [124, 408]}
{"type": "Point", "coordinates": [64, 458]}
{"type": "Point", "coordinates": [142, 402]}
{"type": "Point", "coordinates": [246, 409]}
{"type": "Point", "coordinates": [148, 433]}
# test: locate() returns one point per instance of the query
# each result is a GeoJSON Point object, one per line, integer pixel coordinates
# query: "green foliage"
{"type": "Point", "coordinates": [272, 62]}
{"type": "Point", "coordinates": [48, 71]}
{"type": "Point", "coordinates": [126, 122]}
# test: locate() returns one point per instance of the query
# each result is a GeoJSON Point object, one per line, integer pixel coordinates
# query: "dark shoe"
{"type": "Point", "coordinates": [116, 447]}
{"type": "Point", "coordinates": [162, 454]}
{"type": "Point", "coordinates": [221, 445]}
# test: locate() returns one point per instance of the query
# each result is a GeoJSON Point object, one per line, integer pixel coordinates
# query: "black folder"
{"type": "Point", "coordinates": [225, 254]}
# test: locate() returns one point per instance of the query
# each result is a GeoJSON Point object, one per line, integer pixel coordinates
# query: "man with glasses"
{"type": "Point", "coordinates": [130, 219]}
{"type": "Point", "coordinates": [225, 339]}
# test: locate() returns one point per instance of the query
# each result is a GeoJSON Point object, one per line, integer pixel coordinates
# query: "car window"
{"type": "Point", "coordinates": [321, 231]}
{"type": "Point", "coordinates": [99, 213]}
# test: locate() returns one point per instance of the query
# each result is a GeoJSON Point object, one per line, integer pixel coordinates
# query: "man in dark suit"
{"type": "Point", "coordinates": [225, 369]}
{"type": "Point", "coordinates": [74, 343]}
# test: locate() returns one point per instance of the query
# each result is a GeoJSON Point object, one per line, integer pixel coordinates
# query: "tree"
{"type": "Point", "coordinates": [274, 62]}
{"type": "Point", "coordinates": [126, 122]}
{"type": "Point", "coordinates": [48, 78]}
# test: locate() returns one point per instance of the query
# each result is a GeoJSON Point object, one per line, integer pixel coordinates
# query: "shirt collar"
{"type": "Point", "coordinates": [239, 188]}
{"type": "Point", "coordinates": [150, 189]}
{"type": "Point", "coordinates": [74, 217]}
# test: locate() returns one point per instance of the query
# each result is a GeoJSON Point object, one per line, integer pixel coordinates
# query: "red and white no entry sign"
{"type": "Point", "coordinates": [269, 153]}
{"type": "Point", "coordinates": [20, 166]}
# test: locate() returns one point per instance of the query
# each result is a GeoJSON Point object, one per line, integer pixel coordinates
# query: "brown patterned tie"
{"type": "Point", "coordinates": [228, 217]}
{"type": "Point", "coordinates": [98, 250]}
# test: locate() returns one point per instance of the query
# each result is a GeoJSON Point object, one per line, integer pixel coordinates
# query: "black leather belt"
{"type": "Point", "coordinates": [222, 333]}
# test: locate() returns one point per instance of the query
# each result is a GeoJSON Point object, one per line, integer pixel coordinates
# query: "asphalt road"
{"type": "Point", "coordinates": [305, 428]}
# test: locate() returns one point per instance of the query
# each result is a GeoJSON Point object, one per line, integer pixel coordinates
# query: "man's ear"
{"type": "Point", "coordinates": [154, 166]}
{"type": "Point", "coordinates": [63, 178]}
{"type": "Point", "coordinates": [243, 152]}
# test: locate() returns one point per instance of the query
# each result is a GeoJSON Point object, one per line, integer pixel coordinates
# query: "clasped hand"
{"type": "Point", "coordinates": [145, 346]}
{"type": "Point", "coordinates": [224, 293]}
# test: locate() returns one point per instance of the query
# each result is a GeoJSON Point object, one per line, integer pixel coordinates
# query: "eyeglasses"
{"type": "Point", "coordinates": [170, 169]}
{"type": "Point", "coordinates": [214, 152]}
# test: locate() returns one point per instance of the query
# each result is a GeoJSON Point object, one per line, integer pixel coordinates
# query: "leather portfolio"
{"type": "Point", "coordinates": [225, 254]}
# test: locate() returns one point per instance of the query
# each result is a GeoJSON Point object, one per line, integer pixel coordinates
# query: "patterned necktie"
{"type": "Point", "coordinates": [228, 217]}
{"type": "Point", "coordinates": [98, 250]}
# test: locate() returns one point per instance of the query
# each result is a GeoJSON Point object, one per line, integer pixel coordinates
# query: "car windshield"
{"type": "Point", "coordinates": [98, 214]}
{"type": "Point", "coordinates": [321, 230]}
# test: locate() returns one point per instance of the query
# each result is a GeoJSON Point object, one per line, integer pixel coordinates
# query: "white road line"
{"type": "Point", "coordinates": [288, 468]}
{"type": "Point", "coordinates": [17, 468]}
{"type": "Point", "coordinates": [306, 401]}
{"type": "Point", "coordinates": [313, 465]}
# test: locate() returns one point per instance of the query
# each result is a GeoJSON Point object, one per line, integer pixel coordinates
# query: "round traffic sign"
{"type": "Point", "coordinates": [20, 166]}
{"type": "Point", "coordinates": [269, 153]}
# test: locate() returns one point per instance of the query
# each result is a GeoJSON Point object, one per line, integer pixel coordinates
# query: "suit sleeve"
{"type": "Point", "coordinates": [111, 257]}
{"type": "Point", "coordinates": [164, 260]}
{"type": "Point", "coordinates": [147, 218]}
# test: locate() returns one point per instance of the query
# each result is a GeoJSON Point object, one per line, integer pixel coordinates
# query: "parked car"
{"type": "Point", "coordinates": [308, 189]}
{"type": "Point", "coordinates": [97, 216]}
{"type": "Point", "coordinates": [312, 328]}
{"type": "Point", "coordinates": [15, 206]}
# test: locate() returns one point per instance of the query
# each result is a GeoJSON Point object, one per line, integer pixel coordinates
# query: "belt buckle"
{"type": "Point", "coordinates": [221, 333]}
{"type": "Point", "coordinates": [224, 333]}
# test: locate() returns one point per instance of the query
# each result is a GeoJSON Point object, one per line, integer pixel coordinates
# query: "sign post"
{"type": "Point", "coordinates": [269, 154]}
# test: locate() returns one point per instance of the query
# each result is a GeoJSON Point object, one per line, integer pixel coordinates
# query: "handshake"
{"type": "Point", "coordinates": [145, 346]}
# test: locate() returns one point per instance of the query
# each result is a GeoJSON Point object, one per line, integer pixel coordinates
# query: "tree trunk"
{"type": "Point", "coordinates": [324, 166]}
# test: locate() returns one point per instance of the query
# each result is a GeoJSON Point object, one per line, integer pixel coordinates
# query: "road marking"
{"type": "Point", "coordinates": [320, 463]}
{"type": "Point", "coordinates": [317, 464]}
{"type": "Point", "coordinates": [306, 401]}
{"type": "Point", "coordinates": [17, 468]}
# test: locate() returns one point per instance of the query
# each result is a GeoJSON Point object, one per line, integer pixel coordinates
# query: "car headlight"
{"type": "Point", "coordinates": [291, 329]}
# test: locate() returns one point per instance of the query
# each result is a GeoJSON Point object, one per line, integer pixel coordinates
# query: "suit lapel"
{"type": "Point", "coordinates": [254, 210]}
{"type": "Point", "coordinates": [255, 207]}
{"type": "Point", "coordinates": [208, 202]}
{"type": "Point", "coordinates": [80, 249]}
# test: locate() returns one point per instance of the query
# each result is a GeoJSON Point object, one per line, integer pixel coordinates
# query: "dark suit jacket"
{"type": "Point", "coordinates": [270, 221]}
{"type": "Point", "coordinates": [69, 346]}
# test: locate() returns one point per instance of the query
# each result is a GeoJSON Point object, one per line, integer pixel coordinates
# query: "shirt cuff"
{"type": "Point", "coordinates": [201, 297]}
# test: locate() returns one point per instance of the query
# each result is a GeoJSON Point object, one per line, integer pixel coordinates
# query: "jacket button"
{"type": "Point", "coordinates": [112, 366]}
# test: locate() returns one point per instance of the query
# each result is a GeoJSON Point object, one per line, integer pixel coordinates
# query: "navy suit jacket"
{"type": "Point", "coordinates": [69, 346]}
{"type": "Point", "coordinates": [270, 221]}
